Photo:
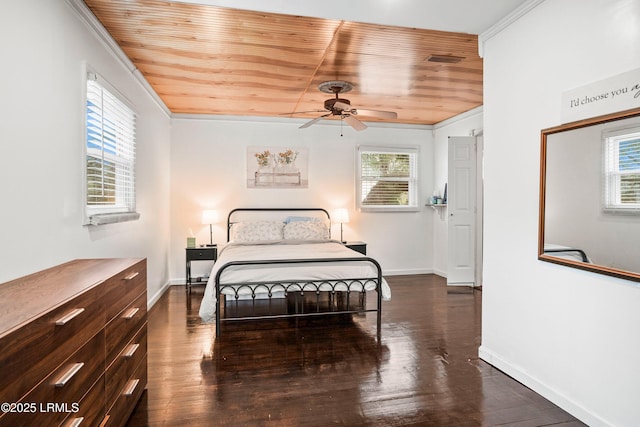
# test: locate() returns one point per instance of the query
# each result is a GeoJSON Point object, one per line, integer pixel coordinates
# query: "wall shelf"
{"type": "Point", "coordinates": [439, 208]}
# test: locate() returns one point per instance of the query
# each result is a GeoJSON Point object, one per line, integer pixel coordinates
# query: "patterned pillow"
{"type": "Point", "coordinates": [306, 230]}
{"type": "Point", "coordinates": [256, 231]}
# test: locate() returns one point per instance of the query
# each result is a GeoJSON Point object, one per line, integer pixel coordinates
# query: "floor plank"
{"type": "Point", "coordinates": [425, 370]}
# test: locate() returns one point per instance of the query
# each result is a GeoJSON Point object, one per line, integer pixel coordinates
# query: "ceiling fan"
{"type": "Point", "coordinates": [342, 107]}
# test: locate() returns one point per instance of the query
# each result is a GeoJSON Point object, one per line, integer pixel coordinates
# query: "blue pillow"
{"type": "Point", "coordinates": [300, 218]}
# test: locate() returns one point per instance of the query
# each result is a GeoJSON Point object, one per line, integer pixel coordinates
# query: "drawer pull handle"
{"type": "Point", "coordinates": [69, 316]}
{"type": "Point", "coordinates": [64, 378]}
{"type": "Point", "coordinates": [131, 313]}
{"type": "Point", "coordinates": [74, 422]}
{"type": "Point", "coordinates": [130, 388]}
{"type": "Point", "coordinates": [130, 351]}
{"type": "Point", "coordinates": [131, 276]}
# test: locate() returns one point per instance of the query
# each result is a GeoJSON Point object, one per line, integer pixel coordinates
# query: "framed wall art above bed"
{"type": "Point", "coordinates": [277, 167]}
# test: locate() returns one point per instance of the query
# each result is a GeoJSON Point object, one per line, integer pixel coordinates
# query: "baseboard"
{"type": "Point", "coordinates": [541, 388]}
{"type": "Point", "coordinates": [155, 297]}
{"type": "Point", "coordinates": [440, 272]}
{"type": "Point", "coordinates": [407, 272]}
{"type": "Point", "coordinates": [464, 285]}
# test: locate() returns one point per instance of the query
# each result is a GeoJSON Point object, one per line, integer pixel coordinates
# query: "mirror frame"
{"type": "Point", "coordinates": [544, 134]}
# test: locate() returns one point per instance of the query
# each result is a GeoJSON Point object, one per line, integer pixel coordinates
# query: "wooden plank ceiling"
{"type": "Point", "coordinates": [204, 59]}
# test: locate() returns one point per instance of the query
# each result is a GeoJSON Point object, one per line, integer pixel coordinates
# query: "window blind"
{"type": "Point", "coordinates": [622, 170]}
{"type": "Point", "coordinates": [110, 153]}
{"type": "Point", "coordinates": [387, 179]}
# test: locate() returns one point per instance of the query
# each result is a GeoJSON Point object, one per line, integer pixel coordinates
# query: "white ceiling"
{"type": "Point", "coordinates": [465, 16]}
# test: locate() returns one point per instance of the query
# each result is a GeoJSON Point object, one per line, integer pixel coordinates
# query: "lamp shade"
{"type": "Point", "coordinates": [340, 215]}
{"type": "Point", "coordinates": [210, 216]}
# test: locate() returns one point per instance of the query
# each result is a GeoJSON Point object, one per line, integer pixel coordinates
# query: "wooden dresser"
{"type": "Point", "coordinates": [73, 344]}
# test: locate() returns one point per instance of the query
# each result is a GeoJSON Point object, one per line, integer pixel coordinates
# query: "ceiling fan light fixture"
{"type": "Point", "coordinates": [444, 59]}
{"type": "Point", "coordinates": [343, 104]}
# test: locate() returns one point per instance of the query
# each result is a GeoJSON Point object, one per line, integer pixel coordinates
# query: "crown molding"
{"type": "Point", "coordinates": [467, 114]}
{"type": "Point", "coordinates": [296, 121]}
{"type": "Point", "coordinates": [518, 13]}
{"type": "Point", "coordinates": [95, 26]}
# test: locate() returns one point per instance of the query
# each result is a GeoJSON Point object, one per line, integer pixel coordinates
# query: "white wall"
{"type": "Point", "coordinates": [208, 171]}
{"type": "Point", "coordinates": [466, 124]}
{"type": "Point", "coordinates": [41, 140]}
{"type": "Point", "coordinates": [571, 335]}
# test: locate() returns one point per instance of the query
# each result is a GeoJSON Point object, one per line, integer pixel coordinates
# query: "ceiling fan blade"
{"type": "Point", "coordinates": [355, 123]}
{"type": "Point", "coordinates": [375, 113]}
{"type": "Point", "coordinates": [301, 112]}
{"type": "Point", "coordinates": [317, 119]}
{"type": "Point", "coordinates": [362, 112]}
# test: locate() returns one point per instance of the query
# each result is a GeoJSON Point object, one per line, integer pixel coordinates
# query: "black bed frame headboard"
{"type": "Point", "coordinates": [229, 223]}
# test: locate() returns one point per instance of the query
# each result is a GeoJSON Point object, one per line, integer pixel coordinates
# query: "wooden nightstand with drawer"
{"type": "Point", "coordinates": [203, 253]}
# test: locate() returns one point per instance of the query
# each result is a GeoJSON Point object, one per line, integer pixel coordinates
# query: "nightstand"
{"type": "Point", "coordinates": [357, 246]}
{"type": "Point", "coordinates": [205, 253]}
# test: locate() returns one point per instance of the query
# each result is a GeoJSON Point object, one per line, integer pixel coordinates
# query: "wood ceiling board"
{"type": "Point", "coordinates": [227, 61]}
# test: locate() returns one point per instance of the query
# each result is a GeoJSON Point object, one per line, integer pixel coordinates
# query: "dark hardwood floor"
{"type": "Point", "coordinates": [424, 372]}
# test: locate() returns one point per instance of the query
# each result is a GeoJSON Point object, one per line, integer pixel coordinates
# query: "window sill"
{"type": "Point", "coordinates": [621, 211]}
{"type": "Point", "coordinates": [390, 209]}
{"type": "Point", "coordinates": [111, 218]}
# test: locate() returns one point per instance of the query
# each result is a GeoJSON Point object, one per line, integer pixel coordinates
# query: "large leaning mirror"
{"type": "Point", "coordinates": [590, 195]}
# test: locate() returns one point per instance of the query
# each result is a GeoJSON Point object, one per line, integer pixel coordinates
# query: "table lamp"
{"type": "Point", "coordinates": [210, 217]}
{"type": "Point", "coordinates": [341, 215]}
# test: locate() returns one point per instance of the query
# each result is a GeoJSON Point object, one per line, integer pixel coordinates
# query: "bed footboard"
{"type": "Point", "coordinates": [579, 252]}
{"type": "Point", "coordinates": [333, 287]}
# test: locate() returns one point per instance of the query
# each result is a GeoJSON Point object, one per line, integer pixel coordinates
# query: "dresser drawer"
{"type": "Point", "coordinates": [91, 408]}
{"type": "Point", "coordinates": [125, 287]}
{"type": "Point", "coordinates": [32, 352]}
{"type": "Point", "coordinates": [57, 327]}
{"type": "Point", "coordinates": [123, 367]}
{"type": "Point", "coordinates": [60, 393]}
{"type": "Point", "coordinates": [122, 328]}
{"type": "Point", "coordinates": [128, 396]}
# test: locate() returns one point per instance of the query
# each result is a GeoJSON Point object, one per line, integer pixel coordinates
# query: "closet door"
{"type": "Point", "coordinates": [461, 201]}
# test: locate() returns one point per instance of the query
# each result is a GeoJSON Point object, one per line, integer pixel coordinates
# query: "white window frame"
{"type": "Point", "coordinates": [412, 180]}
{"type": "Point", "coordinates": [109, 129]}
{"type": "Point", "coordinates": [612, 174]}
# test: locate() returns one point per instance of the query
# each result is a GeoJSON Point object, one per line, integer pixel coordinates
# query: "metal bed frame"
{"type": "Point", "coordinates": [580, 252]}
{"type": "Point", "coordinates": [298, 287]}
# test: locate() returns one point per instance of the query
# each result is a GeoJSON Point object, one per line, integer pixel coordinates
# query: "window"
{"type": "Point", "coordinates": [622, 170]}
{"type": "Point", "coordinates": [387, 179]}
{"type": "Point", "coordinates": [110, 155]}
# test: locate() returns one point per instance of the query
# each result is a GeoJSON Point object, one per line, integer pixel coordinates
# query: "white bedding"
{"type": "Point", "coordinates": [289, 272]}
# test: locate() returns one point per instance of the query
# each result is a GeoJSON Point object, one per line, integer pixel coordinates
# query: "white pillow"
{"type": "Point", "coordinates": [306, 230]}
{"type": "Point", "coordinates": [256, 231]}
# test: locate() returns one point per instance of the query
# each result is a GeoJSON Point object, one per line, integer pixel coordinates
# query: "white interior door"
{"type": "Point", "coordinates": [461, 201]}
